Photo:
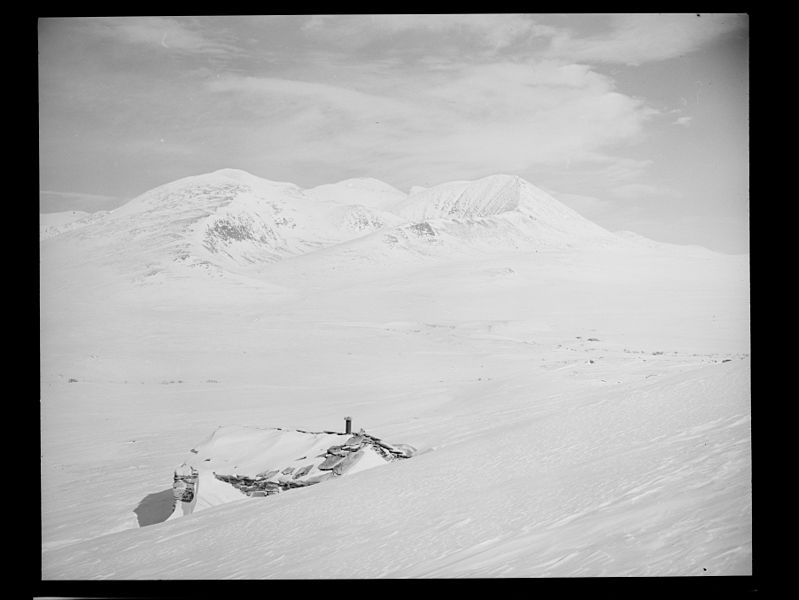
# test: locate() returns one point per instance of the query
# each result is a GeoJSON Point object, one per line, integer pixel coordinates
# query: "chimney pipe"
{"type": "Point", "coordinates": [348, 424]}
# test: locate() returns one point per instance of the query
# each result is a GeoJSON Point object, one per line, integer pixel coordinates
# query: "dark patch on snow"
{"type": "Point", "coordinates": [423, 229]}
{"type": "Point", "coordinates": [155, 508]}
{"type": "Point", "coordinates": [229, 231]}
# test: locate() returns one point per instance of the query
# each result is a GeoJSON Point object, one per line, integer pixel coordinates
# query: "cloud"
{"type": "Point", "coordinates": [161, 32]}
{"type": "Point", "coordinates": [597, 168]}
{"type": "Point", "coordinates": [631, 39]}
{"type": "Point", "coordinates": [588, 206]}
{"type": "Point", "coordinates": [635, 39]}
{"type": "Point", "coordinates": [587, 185]}
{"type": "Point", "coordinates": [491, 30]}
{"type": "Point", "coordinates": [639, 191]}
{"type": "Point", "coordinates": [684, 121]}
{"type": "Point", "coordinates": [292, 93]}
{"type": "Point", "coordinates": [486, 118]}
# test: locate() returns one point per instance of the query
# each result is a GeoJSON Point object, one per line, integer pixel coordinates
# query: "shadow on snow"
{"type": "Point", "coordinates": [155, 508]}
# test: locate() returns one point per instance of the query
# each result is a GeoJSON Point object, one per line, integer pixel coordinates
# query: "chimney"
{"type": "Point", "coordinates": [348, 424]}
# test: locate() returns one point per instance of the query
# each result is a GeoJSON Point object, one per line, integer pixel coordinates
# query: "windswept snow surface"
{"type": "Point", "coordinates": [580, 402]}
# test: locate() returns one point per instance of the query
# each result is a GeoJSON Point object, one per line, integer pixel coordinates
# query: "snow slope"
{"type": "Point", "coordinates": [497, 196]}
{"type": "Point", "coordinates": [580, 408]}
{"type": "Point", "coordinates": [368, 192]}
{"type": "Point", "coordinates": [53, 224]}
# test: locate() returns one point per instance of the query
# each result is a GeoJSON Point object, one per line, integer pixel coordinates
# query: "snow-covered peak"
{"type": "Point", "coordinates": [368, 183]}
{"type": "Point", "coordinates": [248, 178]}
{"type": "Point", "coordinates": [369, 192]}
{"type": "Point", "coordinates": [207, 191]}
{"type": "Point", "coordinates": [499, 196]}
{"type": "Point", "coordinates": [233, 173]}
{"type": "Point", "coordinates": [231, 219]}
{"type": "Point", "coordinates": [464, 199]}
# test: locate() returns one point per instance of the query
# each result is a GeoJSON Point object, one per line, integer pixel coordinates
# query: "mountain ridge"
{"type": "Point", "coordinates": [230, 219]}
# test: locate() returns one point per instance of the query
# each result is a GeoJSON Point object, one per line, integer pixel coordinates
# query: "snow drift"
{"type": "Point", "coordinates": [263, 462]}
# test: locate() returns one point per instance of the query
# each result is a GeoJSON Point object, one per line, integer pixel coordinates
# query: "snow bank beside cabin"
{"type": "Point", "coordinates": [238, 461]}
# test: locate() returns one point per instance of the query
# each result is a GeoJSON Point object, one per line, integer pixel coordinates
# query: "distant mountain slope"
{"type": "Point", "coordinates": [368, 192]}
{"type": "Point", "coordinates": [227, 219]}
{"type": "Point", "coordinates": [499, 210]}
{"type": "Point", "coordinates": [494, 196]}
{"type": "Point", "coordinates": [53, 224]}
{"type": "Point", "coordinates": [231, 220]}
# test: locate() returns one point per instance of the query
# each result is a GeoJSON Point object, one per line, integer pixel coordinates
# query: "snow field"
{"type": "Point", "coordinates": [651, 482]}
{"type": "Point", "coordinates": [578, 411]}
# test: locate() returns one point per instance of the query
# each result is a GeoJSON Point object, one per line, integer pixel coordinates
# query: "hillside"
{"type": "Point", "coordinates": [230, 220]}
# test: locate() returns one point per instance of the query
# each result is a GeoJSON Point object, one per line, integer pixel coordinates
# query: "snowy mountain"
{"type": "Point", "coordinates": [228, 218]}
{"type": "Point", "coordinates": [231, 220]}
{"type": "Point", "coordinates": [493, 196]}
{"type": "Point", "coordinates": [496, 212]}
{"type": "Point", "coordinates": [579, 401]}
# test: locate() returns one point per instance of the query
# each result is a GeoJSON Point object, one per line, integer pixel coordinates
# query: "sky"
{"type": "Point", "coordinates": [639, 122]}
